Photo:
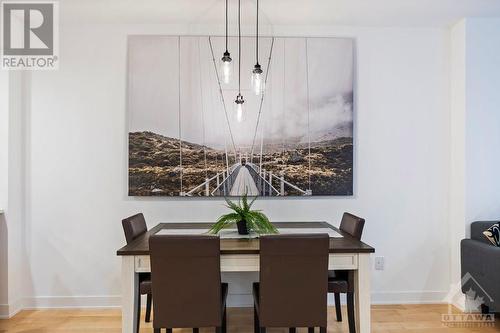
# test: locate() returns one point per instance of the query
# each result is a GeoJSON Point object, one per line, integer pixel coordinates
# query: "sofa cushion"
{"type": "Point", "coordinates": [493, 234]}
{"type": "Point", "coordinates": [477, 228]}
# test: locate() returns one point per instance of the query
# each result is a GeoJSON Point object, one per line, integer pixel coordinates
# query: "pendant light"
{"type": "Point", "coordinates": [226, 64]}
{"type": "Point", "coordinates": [257, 79]}
{"type": "Point", "coordinates": [239, 99]}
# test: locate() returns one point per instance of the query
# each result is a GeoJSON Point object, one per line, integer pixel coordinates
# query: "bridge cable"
{"type": "Point", "coordinates": [213, 103]}
{"type": "Point", "coordinates": [222, 95]}
{"type": "Point", "coordinates": [180, 127]}
{"type": "Point", "coordinates": [308, 114]}
{"type": "Point", "coordinates": [262, 97]}
{"type": "Point", "coordinates": [284, 103]}
{"type": "Point", "coordinates": [202, 111]}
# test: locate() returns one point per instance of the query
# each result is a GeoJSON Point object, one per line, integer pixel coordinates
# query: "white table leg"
{"type": "Point", "coordinates": [130, 284]}
{"type": "Point", "coordinates": [362, 294]}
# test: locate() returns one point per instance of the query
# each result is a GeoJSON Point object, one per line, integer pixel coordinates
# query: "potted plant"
{"type": "Point", "coordinates": [246, 220]}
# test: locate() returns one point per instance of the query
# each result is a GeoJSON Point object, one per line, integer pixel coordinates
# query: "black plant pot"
{"type": "Point", "coordinates": [242, 227]}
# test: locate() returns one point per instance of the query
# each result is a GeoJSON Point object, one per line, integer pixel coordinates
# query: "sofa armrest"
{"type": "Point", "coordinates": [482, 262]}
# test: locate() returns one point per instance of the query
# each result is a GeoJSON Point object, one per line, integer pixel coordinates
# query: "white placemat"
{"type": "Point", "coordinates": [233, 234]}
{"type": "Point", "coordinates": [332, 233]}
{"type": "Point", "coordinates": [181, 231]}
{"type": "Point", "coordinates": [223, 234]}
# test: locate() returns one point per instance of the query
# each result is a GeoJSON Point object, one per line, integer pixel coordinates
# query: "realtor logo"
{"type": "Point", "coordinates": [475, 314]}
{"type": "Point", "coordinates": [29, 34]}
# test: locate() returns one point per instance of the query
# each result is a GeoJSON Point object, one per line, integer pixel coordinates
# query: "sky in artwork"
{"type": "Point", "coordinates": [173, 89]}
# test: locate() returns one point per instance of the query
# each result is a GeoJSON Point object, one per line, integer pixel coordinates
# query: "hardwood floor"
{"type": "Point", "coordinates": [387, 318]}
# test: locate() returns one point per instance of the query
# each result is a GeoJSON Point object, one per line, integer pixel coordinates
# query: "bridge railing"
{"type": "Point", "coordinates": [283, 182]}
{"type": "Point", "coordinates": [223, 183]}
{"type": "Point", "coordinates": [263, 184]}
{"type": "Point", "coordinates": [228, 178]}
{"type": "Point", "coordinates": [266, 178]}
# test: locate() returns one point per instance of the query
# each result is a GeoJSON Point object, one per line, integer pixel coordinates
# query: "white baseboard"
{"type": "Point", "coordinates": [378, 298]}
{"type": "Point", "coordinates": [459, 303]}
{"type": "Point", "coordinates": [72, 302]}
{"type": "Point", "coordinates": [409, 297]}
{"type": "Point", "coordinates": [4, 311]}
{"type": "Point", "coordinates": [8, 311]}
{"type": "Point", "coordinates": [234, 300]}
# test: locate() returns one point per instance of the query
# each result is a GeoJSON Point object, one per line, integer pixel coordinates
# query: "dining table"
{"type": "Point", "coordinates": [240, 253]}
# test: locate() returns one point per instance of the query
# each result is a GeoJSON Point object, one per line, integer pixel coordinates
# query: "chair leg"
{"type": "Point", "coordinates": [256, 324]}
{"type": "Point", "coordinates": [322, 330]}
{"type": "Point", "coordinates": [350, 312]}
{"type": "Point", "coordinates": [196, 330]}
{"type": "Point", "coordinates": [224, 321]}
{"type": "Point", "coordinates": [138, 312]}
{"type": "Point", "coordinates": [338, 309]}
{"type": "Point", "coordinates": [169, 330]}
{"type": "Point", "coordinates": [292, 330]}
{"type": "Point", "coordinates": [157, 330]}
{"type": "Point", "coordinates": [148, 307]}
{"type": "Point", "coordinates": [310, 330]}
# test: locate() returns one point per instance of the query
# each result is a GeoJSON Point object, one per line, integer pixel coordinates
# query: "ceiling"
{"type": "Point", "coordinates": [413, 13]}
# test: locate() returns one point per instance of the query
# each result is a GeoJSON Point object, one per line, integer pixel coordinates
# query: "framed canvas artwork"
{"type": "Point", "coordinates": [188, 138]}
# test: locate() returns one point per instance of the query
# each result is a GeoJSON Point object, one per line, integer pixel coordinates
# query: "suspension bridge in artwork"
{"type": "Point", "coordinates": [244, 176]}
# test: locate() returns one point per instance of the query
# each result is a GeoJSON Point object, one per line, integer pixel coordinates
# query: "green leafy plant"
{"type": "Point", "coordinates": [246, 219]}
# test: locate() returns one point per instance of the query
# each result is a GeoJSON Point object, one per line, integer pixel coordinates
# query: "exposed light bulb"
{"type": "Point", "coordinates": [227, 67]}
{"type": "Point", "coordinates": [239, 108]}
{"type": "Point", "coordinates": [239, 113]}
{"type": "Point", "coordinates": [257, 80]}
{"type": "Point", "coordinates": [257, 83]}
{"type": "Point", "coordinates": [226, 72]}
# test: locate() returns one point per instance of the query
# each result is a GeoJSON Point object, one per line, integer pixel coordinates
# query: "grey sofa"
{"type": "Point", "coordinates": [481, 260]}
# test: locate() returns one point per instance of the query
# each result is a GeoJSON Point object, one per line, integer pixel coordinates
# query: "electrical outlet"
{"type": "Point", "coordinates": [379, 263]}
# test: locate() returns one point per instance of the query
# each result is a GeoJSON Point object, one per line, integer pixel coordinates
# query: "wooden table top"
{"type": "Point", "coordinates": [346, 244]}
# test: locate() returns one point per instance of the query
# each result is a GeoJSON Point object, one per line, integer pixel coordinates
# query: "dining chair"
{"type": "Point", "coordinates": [133, 227]}
{"type": "Point", "coordinates": [293, 286]}
{"type": "Point", "coordinates": [342, 282]}
{"type": "Point", "coordinates": [187, 288]}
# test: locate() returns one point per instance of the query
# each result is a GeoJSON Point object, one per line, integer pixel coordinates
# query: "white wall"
{"type": "Point", "coordinates": [482, 119]}
{"type": "Point", "coordinates": [14, 89]}
{"type": "Point", "coordinates": [4, 149]}
{"type": "Point", "coordinates": [475, 128]}
{"type": "Point", "coordinates": [457, 153]}
{"type": "Point", "coordinates": [12, 138]}
{"type": "Point", "coordinates": [15, 212]}
{"type": "Point", "coordinates": [4, 136]}
{"type": "Point", "coordinates": [77, 177]}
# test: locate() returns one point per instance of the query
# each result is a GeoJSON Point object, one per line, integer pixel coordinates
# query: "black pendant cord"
{"type": "Point", "coordinates": [257, 35]}
{"type": "Point", "coordinates": [226, 25]}
{"type": "Point", "coordinates": [239, 47]}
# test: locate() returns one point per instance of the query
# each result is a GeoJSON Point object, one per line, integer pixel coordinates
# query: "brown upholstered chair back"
{"type": "Point", "coordinates": [134, 226]}
{"type": "Point", "coordinates": [293, 280]}
{"type": "Point", "coordinates": [353, 225]}
{"type": "Point", "coordinates": [185, 272]}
